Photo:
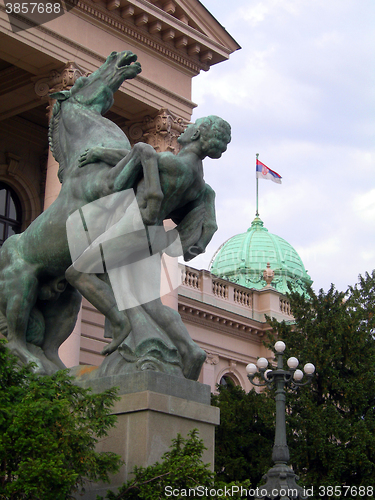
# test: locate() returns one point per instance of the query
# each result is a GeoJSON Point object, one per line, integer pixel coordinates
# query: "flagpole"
{"type": "Point", "coordinates": [256, 176]}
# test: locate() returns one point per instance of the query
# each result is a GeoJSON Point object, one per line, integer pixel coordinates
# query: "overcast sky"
{"type": "Point", "coordinates": [300, 93]}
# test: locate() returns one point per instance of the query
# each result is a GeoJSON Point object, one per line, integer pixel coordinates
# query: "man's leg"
{"type": "Point", "coordinates": [99, 293]}
{"type": "Point", "coordinates": [170, 321]}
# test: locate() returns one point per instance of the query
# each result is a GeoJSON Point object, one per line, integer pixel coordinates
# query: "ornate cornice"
{"type": "Point", "coordinates": [76, 46]}
{"type": "Point", "coordinates": [141, 36]}
{"type": "Point", "coordinates": [212, 319]}
{"type": "Point", "coordinates": [168, 93]}
{"type": "Point", "coordinates": [152, 26]}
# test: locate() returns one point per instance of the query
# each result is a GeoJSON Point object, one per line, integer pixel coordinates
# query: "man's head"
{"type": "Point", "coordinates": [212, 132]}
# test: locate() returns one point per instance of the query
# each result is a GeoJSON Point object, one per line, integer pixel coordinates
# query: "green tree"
{"type": "Point", "coordinates": [48, 431]}
{"type": "Point", "coordinates": [332, 422]}
{"type": "Point", "coordinates": [244, 438]}
{"type": "Point", "coordinates": [181, 468]}
{"type": "Point", "coordinates": [179, 473]}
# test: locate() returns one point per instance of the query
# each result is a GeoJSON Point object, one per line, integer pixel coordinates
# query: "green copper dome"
{"type": "Point", "coordinates": [243, 258]}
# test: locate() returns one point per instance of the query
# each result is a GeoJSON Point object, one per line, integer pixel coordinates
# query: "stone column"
{"type": "Point", "coordinates": [54, 81]}
{"type": "Point", "coordinates": [53, 184]}
{"type": "Point", "coordinates": [171, 275]}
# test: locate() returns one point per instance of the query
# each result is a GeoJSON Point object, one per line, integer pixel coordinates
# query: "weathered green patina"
{"type": "Point", "coordinates": [151, 335]}
{"type": "Point", "coordinates": [39, 306]}
{"type": "Point", "coordinates": [243, 258]}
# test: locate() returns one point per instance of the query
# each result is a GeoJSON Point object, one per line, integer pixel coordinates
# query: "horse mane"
{"type": "Point", "coordinates": [53, 139]}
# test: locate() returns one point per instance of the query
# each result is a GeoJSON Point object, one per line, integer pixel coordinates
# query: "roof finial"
{"type": "Point", "coordinates": [268, 275]}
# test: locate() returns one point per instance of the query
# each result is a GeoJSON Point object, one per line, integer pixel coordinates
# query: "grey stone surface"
{"type": "Point", "coordinates": [147, 380]}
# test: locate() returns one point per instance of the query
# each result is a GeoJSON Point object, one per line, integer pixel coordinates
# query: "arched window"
{"type": "Point", "coordinates": [10, 213]}
{"type": "Point", "coordinates": [229, 379]}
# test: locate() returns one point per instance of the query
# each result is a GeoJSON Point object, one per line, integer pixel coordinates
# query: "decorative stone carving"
{"type": "Point", "coordinates": [57, 80]}
{"type": "Point", "coordinates": [268, 275]}
{"type": "Point", "coordinates": [232, 365]}
{"type": "Point", "coordinates": [161, 132]}
{"type": "Point", "coordinates": [212, 359]}
{"type": "Point", "coordinates": [13, 163]}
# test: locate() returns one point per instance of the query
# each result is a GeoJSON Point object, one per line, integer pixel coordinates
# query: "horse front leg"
{"type": "Point", "coordinates": [107, 155]}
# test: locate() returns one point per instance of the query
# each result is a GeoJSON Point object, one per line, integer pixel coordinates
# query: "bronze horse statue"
{"type": "Point", "coordinates": [38, 307]}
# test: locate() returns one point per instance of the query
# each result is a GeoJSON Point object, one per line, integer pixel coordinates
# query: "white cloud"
{"type": "Point", "coordinates": [300, 93]}
{"type": "Point", "coordinates": [364, 206]}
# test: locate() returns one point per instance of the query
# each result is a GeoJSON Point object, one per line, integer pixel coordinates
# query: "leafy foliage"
{"type": "Point", "coordinates": [181, 470]}
{"type": "Point", "coordinates": [48, 431]}
{"type": "Point", "coordinates": [332, 422]}
{"type": "Point", "coordinates": [244, 438]}
{"type": "Point", "coordinates": [181, 467]}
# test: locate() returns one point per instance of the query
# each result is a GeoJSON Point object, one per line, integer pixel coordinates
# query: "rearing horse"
{"type": "Point", "coordinates": [38, 306]}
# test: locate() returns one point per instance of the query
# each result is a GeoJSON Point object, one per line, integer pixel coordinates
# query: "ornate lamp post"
{"type": "Point", "coordinates": [280, 479]}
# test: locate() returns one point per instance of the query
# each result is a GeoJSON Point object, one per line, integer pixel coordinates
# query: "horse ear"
{"type": "Point", "coordinates": [60, 96]}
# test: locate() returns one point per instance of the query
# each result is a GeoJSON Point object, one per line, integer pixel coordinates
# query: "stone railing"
{"type": "Point", "coordinates": [204, 282]}
{"type": "Point", "coordinates": [285, 306]}
{"type": "Point", "coordinates": [220, 289]}
{"type": "Point", "coordinates": [205, 287]}
{"type": "Point", "coordinates": [190, 277]}
{"type": "Point", "coordinates": [244, 298]}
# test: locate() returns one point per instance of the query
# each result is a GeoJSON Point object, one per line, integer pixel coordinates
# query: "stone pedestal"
{"type": "Point", "coordinates": [153, 409]}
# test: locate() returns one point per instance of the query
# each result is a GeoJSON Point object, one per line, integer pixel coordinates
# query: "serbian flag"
{"type": "Point", "coordinates": [263, 172]}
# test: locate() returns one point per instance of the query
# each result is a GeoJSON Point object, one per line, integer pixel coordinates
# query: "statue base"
{"type": "Point", "coordinates": [153, 409]}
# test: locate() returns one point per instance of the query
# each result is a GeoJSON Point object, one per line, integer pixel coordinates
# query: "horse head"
{"type": "Point", "coordinates": [96, 91]}
{"type": "Point", "coordinates": [92, 95]}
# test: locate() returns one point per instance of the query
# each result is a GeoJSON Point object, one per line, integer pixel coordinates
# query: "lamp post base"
{"type": "Point", "coordinates": [281, 485]}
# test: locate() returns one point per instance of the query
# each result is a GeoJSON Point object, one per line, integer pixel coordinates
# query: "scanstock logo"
{"type": "Point", "coordinates": [109, 236]}
{"type": "Point", "coordinates": [30, 13]}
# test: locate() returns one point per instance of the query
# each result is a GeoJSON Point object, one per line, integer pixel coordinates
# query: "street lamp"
{"type": "Point", "coordinates": [280, 479]}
